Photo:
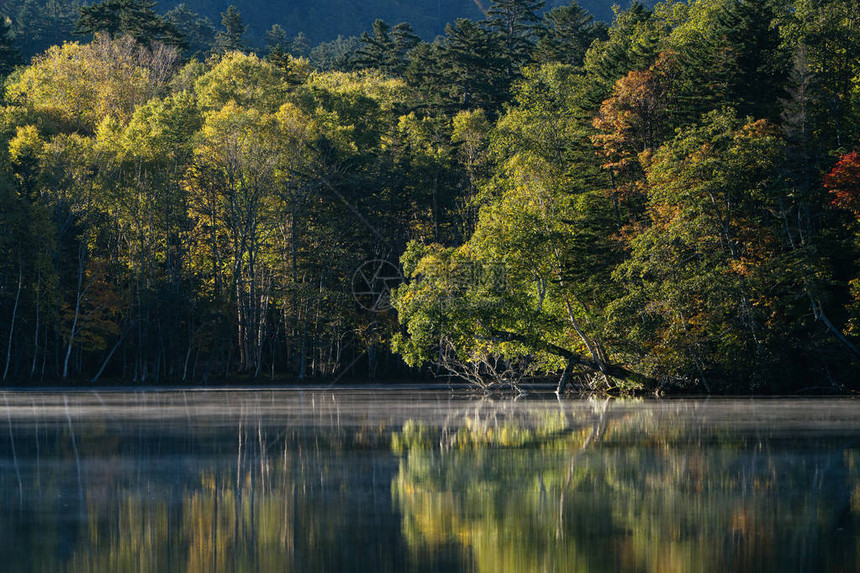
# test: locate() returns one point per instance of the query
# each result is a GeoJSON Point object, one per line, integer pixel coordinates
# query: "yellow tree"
{"type": "Point", "coordinates": [140, 178]}
{"type": "Point", "coordinates": [78, 85]}
{"type": "Point", "coordinates": [232, 184]}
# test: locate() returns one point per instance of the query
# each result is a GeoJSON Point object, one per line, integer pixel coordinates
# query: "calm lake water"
{"type": "Point", "coordinates": [425, 481]}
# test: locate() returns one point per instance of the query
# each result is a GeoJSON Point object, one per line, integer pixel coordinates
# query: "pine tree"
{"type": "Point", "coordinates": [300, 46]}
{"type": "Point", "coordinates": [276, 38]}
{"type": "Point", "coordinates": [633, 30]}
{"type": "Point", "coordinates": [38, 25]}
{"type": "Point", "coordinates": [376, 50]}
{"type": "Point", "coordinates": [477, 72]}
{"type": "Point", "coordinates": [566, 35]}
{"type": "Point", "coordinates": [762, 64]}
{"type": "Point", "coordinates": [9, 55]}
{"type": "Point", "coordinates": [404, 39]}
{"type": "Point", "coordinates": [230, 38]}
{"type": "Point", "coordinates": [103, 17]}
{"type": "Point", "coordinates": [136, 18]}
{"type": "Point", "coordinates": [828, 31]}
{"type": "Point", "coordinates": [335, 55]}
{"type": "Point", "coordinates": [801, 152]}
{"type": "Point", "coordinates": [386, 49]}
{"type": "Point", "coordinates": [199, 33]}
{"type": "Point", "coordinates": [516, 22]}
{"type": "Point", "coordinates": [732, 55]}
{"type": "Point", "coordinates": [427, 71]}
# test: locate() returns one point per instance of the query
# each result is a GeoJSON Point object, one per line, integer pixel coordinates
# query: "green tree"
{"type": "Point", "coordinates": [474, 66]}
{"type": "Point", "coordinates": [233, 182]}
{"type": "Point", "coordinates": [428, 74]}
{"type": "Point", "coordinates": [375, 51]}
{"type": "Point", "coordinates": [198, 32]}
{"type": "Point", "coordinates": [632, 44]}
{"type": "Point", "coordinates": [713, 289]}
{"type": "Point", "coordinates": [517, 23]}
{"type": "Point", "coordinates": [276, 38]}
{"type": "Point", "coordinates": [336, 55]}
{"type": "Point", "coordinates": [137, 18]}
{"type": "Point", "coordinates": [300, 46]}
{"type": "Point", "coordinates": [230, 38]}
{"type": "Point", "coordinates": [566, 35]}
{"type": "Point", "coordinates": [387, 48]}
{"type": "Point", "coordinates": [470, 135]}
{"type": "Point", "coordinates": [76, 86]}
{"type": "Point", "coordinates": [548, 235]}
{"type": "Point", "coordinates": [140, 169]}
{"type": "Point", "coordinates": [40, 24]}
{"type": "Point", "coordinates": [246, 80]}
{"type": "Point", "coordinates": [9, 56]}
{"type": "Point", "coordinates": [827, 34]}
{"type": "Point", "coordinates": [731, 55]}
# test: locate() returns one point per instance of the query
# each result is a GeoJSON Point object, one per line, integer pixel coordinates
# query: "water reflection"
{"type": "Point", "coordinates": [304, 481]}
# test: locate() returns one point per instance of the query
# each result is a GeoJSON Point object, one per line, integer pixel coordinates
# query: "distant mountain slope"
{"type": "Point", "coordinates": [323, 20]}
{"type": "Point", "coordinates": [39, 24]}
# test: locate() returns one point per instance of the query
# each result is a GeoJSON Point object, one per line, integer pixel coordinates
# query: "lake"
{"type": "Point", "coordinates": [396, 480]}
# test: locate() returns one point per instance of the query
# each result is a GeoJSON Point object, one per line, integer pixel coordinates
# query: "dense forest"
{"type": "Point", "coordinates": [39, 24]}
{"type": "Point", "coordinates": [667, 202]}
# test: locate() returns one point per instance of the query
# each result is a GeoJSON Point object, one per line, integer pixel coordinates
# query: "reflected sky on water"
{"type": "Point", "coordinates": [425, 481]}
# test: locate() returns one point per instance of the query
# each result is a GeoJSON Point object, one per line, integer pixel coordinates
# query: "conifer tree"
{"type": "Point", "coordinates": [387, 48]}
{"type": "Point", "coordinates": [375, 50]}
{"type": "Point", "coordinates": [8, 52]}
{"type": "Point", "coordinates": [403, 38]}
{"type": "Point", "coordinates": [199, 33]}
{"type": "Point", "coordinates": [828, 31]}
{"type": "Point", "coordinates": [732, 56]}
{"type": "Point", "coordinates": [234, 28]}
{"type": "Point", "coordinates": [477, 72]}
{"type": "Point", "coordinates": [630, 45]}
{"type": "Point", "coordinates": [276, 37]}
{"type": "Point", "coordinates": [136, 18]}
{"type": "Point", "coordinates": [516, 22]}
{"type": "Point", "coordinates": [335, 55]}
{"type": "Point", "coordinates": [300, 46]}
{"type": "Point", "coordinates": [566, 34]}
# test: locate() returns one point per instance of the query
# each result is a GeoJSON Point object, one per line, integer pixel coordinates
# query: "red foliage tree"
{"type": "Point", "coordinates": [843, 182]}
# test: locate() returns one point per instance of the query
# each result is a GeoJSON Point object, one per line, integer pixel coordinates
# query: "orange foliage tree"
{"type": "Point", "coordinates": [634, 120]}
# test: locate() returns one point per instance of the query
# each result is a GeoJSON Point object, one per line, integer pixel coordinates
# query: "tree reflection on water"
{"type": "Point", "coordinates": [337, 482]}
{"type": "Point", "coordinates": [634, 491]}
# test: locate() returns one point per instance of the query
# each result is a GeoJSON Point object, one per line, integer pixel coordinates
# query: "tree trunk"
{"type": "Point", "coordinates": [574, 359]}
{"type": "Point", "coordinates": [38, 323]}
{"type": "Point", "coordinates": [14, 317]}
{"type": "Point", "coordinates": [78, 297]}
{"type": "Point", "coordinates": [105, 363]}
{"type": "Point", "coordinates": [565, 377]}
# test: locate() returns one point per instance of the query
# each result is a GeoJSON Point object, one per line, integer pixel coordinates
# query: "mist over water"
{"type": "Point", "coordinates": [425, 481]}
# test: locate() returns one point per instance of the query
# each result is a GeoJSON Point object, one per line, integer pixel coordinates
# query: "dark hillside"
{"type": "Point", "coordinates": [42, 23]}
{"type": "Point", "coordinates": [323, 20]}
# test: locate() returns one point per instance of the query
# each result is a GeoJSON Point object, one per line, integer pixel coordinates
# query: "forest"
{"type": "Point", "coordinates": [666, 202]}
{"type": "Point", "coordinates": [38, 24]}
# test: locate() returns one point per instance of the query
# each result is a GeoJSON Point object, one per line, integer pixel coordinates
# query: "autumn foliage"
{"type": "Point", "coordinates": [633, 121]}
{"type": "Point", "coordinates": [843, 182]}
{"type": "Point", "coordinates": [653, 191]}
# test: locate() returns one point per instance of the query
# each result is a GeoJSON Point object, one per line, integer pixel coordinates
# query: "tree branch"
{"type": "Point", "coordinates": [574, 359]}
